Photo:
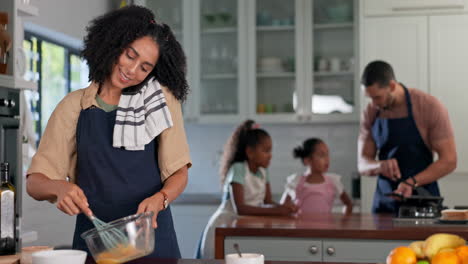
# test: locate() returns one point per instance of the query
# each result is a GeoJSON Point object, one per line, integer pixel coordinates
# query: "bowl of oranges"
{"type": "Point", "coordinates": [440, 248]}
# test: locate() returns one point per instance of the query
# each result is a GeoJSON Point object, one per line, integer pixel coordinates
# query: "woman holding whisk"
{"type": "Point", "coordinates": [118, 147]}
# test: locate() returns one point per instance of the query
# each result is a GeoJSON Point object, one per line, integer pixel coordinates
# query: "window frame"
{"type": "Point", "coordinates": [69, 52]}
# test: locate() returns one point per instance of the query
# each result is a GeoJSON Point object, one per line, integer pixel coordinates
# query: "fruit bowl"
{"type": "Point", "coordinates": [439, 248]}
{"type": "Point", "coordinates": [139, 235]}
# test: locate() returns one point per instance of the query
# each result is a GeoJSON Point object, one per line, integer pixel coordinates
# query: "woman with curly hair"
{"type": "Point", "coordinates": [118, 147]}
{"type": "Point", "coordinates": [246, 184]}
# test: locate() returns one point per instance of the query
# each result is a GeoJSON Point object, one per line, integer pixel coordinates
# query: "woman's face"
{"type": "Point", "coordinates": [260, 155]}
{"type": "Point", "coordinates": [319, 160]}
{"type": "Point", "coordinates": [135, 63]}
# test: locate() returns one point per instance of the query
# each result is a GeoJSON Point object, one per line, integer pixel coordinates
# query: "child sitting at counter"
{"type": "Point", "coordinates": [246, 184]}
{"type": "Point", "coordinates": [315, 190]}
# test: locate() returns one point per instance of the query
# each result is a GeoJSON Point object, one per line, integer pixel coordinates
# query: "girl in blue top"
{"type": "Point", "coordinates": [246, 185]}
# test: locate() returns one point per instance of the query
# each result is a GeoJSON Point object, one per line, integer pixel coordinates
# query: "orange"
{"type": "Point", "coordinates": [464, 260]}
{"type": "Point", "coordinates": [446, 257]}
{"type": "Point", "coordinates": [401, 255]}
{"type": "Point", "coordinates": [462, 252]}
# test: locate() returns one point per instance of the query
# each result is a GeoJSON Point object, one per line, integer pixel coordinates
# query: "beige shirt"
{"type": "Point", "coordinates": [431, 117]}
{"type": "Point", "coordinates": [56, 155]}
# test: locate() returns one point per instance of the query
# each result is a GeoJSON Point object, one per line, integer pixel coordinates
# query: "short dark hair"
{"type": "Point", "coordinates": [110, 34]}
{"type": "Point", "coordinates": [307, 148]}
{"type": "Point", "coordinates": [379, 72]}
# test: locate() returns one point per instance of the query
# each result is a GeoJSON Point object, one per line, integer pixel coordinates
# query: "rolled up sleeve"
{"type": "Point", "coordinates": [56, 155]}
{"type": "Point", "coordinates": [173, 149]}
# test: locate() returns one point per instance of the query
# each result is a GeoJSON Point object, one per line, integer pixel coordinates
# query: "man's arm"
{"type": "Point", "coordinates": [445, 164]}
{"type": "Point", "coordinates": [369, 166]}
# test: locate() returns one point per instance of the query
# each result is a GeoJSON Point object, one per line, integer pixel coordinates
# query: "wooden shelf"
{"type": "Point", "coordinates": [275, 28]}
{"type": "Point", "coordinates": [12, 82]}
{"type": "Point", "coordinates": [27, 10]}
{"type": "Point", "coordinates": [220, 30]}
{"type": "Point", "coordinates": [219, 76]}
{"type": "Point", "coordinates": [329, 73]}
{"type": "Point", "coordinates": [276, 74]}
{"type": "Point", "coordinates": [334, 25]}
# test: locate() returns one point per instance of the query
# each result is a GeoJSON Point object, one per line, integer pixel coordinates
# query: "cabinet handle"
{"type": "Point", "coordinates": [331, 251]}
{"type": "Point", "coordinates": [313, 250]}
{"type": "Point", "coordinates": [435, 7]}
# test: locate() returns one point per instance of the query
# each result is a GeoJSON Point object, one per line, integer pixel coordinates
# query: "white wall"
{"type": "Point", "coordinates": [69, 17]}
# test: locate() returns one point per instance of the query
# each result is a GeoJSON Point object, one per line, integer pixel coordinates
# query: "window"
{"type": "Point", "coordinates": [58, 70]}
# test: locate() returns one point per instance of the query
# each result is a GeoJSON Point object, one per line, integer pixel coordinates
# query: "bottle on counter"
{"type": "Point", "coordinates": [7, 212]}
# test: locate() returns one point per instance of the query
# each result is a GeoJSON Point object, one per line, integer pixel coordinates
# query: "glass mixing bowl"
{"type": "Point", "coordinates": [138, 242]}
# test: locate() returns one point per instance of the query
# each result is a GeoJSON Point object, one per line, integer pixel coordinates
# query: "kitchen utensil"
{"type": "Point", "coordinates": [111, 237]}
{"type": "Point", "coordinates": [139, 234]}
{"type": "Point", "coordinates": [236, 247]}
{"type": "Point", "coordinates": [59, 257]}
{"type": "Point", "coordinates": [418, 206]}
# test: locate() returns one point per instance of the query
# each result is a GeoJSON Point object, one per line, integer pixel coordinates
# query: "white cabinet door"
{"type": "Point", "coordinates": [402, 42]}
{"type": "Point", "coordinates": [272, 49]}
{"type": "Point", "coordinates": [355, 250]}
{"type": "Point", "coordinates": [277, 248]}
{"type": "Point", "coordinates": [449, 74]}
{"type": "Point", "coordinates": [410, 7]}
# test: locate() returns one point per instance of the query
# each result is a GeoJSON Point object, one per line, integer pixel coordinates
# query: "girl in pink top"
{"type": "Point", "coordinates": [315, 190]}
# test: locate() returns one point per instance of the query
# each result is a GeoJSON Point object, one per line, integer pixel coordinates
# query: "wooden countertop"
{"type": "Point", "coordinates": [362, 226]}
{"type": "Point", "coordinates": [200, 261]}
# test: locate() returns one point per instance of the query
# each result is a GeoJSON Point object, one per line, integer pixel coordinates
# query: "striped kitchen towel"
{"type": "Point", "coordinates": [141, 116]}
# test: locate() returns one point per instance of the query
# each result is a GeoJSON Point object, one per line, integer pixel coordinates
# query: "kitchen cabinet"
{"type": "Point", "coordinates": [17, 10]}
{"type": "Point", "coordinates": [315, 249]}
{"type": "Point", "coordinates": [325, 237]}
{"type": "Point", "coordinates": [255, 59]}
{"type": "Point", "coordinates": [448, 76]}
{"type": "Point", "coordinates": [413, 7]}
{"type": "Point", "coordinates": [333, 81]}
{"type": "Point", "coordinates": [402, 42]}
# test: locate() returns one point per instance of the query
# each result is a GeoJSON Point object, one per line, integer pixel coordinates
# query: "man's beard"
{"type": "Point", "coordinates": [390, 102]}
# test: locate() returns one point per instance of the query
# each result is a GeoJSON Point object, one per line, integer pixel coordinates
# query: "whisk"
{"type": "Point", "coordinates": [111, 237]}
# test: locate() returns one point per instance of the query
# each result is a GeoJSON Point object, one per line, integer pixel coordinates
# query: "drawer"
{"type": "Point", "coordinates": [354, 250]}
{"type": "Point", "coordinates": [276, 248]}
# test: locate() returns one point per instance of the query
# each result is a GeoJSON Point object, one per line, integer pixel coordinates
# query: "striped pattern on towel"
{"type": "Point", "coordinates": [141, 116]}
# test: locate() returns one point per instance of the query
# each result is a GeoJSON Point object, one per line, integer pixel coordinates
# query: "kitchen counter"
{"type": "Point", "coordinates": [196, 261]}
{"type": "Point", "coordinates": [326, 234]}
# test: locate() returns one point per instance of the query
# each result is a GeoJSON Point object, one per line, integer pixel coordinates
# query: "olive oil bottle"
{"type": "Point", "coordinates": [7, 212]}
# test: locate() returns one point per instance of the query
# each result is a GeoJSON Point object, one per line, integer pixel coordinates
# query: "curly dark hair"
{"type": "Point", "coordinates": [308, 147]}
{"type": "Point", "coordinates": [110, 34]}
{"type": "Point", "coordinates": [245, 135]}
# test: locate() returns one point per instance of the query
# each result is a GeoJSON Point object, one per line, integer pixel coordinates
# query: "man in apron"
{"type": "Point", "coordinates": [400, 130]}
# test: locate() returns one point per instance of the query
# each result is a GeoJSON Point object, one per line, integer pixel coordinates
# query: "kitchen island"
{"type": "Point", "coordinates": [326, 238]}
{"type": "Point", "coordinates": [195, 261]}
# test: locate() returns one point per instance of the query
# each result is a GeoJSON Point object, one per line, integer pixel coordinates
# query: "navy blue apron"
{"type": "Point", "coordinates": [115, 181]}
{"type": "Point", "coordinates": [399, 138]}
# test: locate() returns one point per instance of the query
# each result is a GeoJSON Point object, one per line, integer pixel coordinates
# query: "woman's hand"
{"type": "Point", "coordinates": [152, 204]}
{"type": "Point", "coordinates": [71, 199]}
